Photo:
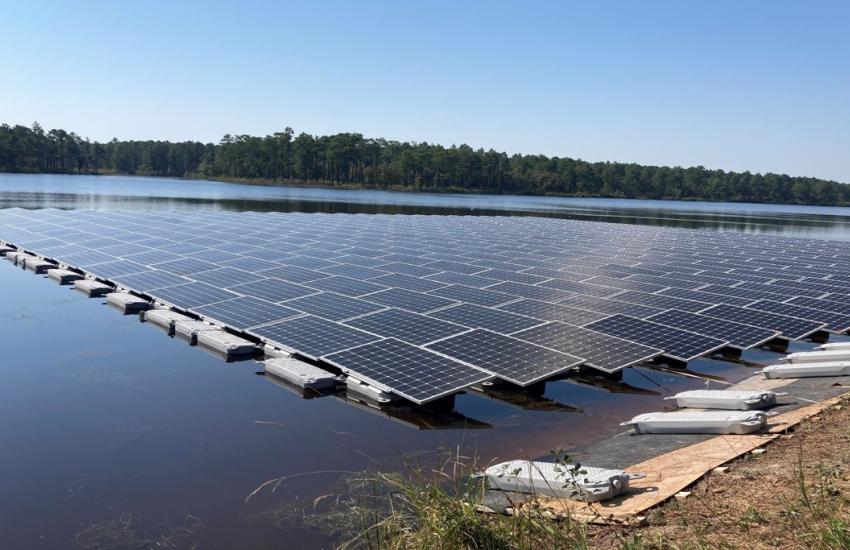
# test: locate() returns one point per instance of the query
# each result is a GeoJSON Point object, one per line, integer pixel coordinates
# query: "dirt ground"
{"type": "Point", "coordinates": [794, 493]}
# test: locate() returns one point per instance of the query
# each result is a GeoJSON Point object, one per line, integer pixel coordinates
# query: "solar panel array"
{"type": "Point", "coordinates": [398, 300]}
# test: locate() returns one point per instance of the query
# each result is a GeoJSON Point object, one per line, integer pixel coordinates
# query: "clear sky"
{"type": "Point", "coordinates": [740, 85]}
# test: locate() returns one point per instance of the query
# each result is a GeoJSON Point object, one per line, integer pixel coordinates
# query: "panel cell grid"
{"type": "Point", "coordinates": [409, 371]}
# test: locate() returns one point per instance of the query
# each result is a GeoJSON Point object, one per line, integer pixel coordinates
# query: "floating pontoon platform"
{"type": "Point", "coordinates": [301, 374]}
{"type": "Point", "coordinates": [558, 480]}
{"type": "Point", "coordinates": [821, 356]}
{"type": "Point", "coordinates": [188, 329]}
{"type": "Point", "coordinates": [63, 276]}
{"type": "Point", "coordinates": [226, 344]}
{"type": "Point", "coordinates": [126, 302]}
{"type": "Point", "coordinates": [835, 346]}
{"type": "Point", "coordinates": [165, 318]}
{"type": "Point", "coordinates": [807, 370]}
{"type": "Point", "coordinates": [92, 288]}
{"type": "Point", "coordinates": [35, 264]}
{"type": "Point", "coordinates": [702, 422]}
{"type": "Point", "coordinates": [5, 250]}
{"type": "Point", "coordinates": [742, 400]}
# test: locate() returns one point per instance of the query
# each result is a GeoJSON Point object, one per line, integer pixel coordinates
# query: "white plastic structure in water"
{"type": "Point", "coordinates": [225, 343]}
{"type": "Point", "coordinates": [189, 329]}
{"type": "Point", "coordinates": [807, 370]}
{"type": "Point", "coordinates": [126, 302]}
{"type": "Point", "coordinates": [165, 318]}
{"type": "Point", "coordinates": [35, 264]}
{"type": "Point", "coordinates": [63, 276]}
{"type": "Point", "coordinates": [5, 249]}
{"type": "Point", "coordinates": [834, 346]}
{"type": "Point", "coordinates": [822, 356]}
{"type": "Point", "coordinates": [698, 422]}
{"type": "Point", "coordinates": [299, 373]}
{"type": "Point", "coordinates": [559, 480]}
{"type": "Point", "coordinates": [92, 288]}
{"type": "Point", "coordinates": [741, 400]}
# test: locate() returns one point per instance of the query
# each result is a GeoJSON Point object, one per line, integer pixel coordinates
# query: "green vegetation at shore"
{"type": "Point", "coordinates": [349, 160]}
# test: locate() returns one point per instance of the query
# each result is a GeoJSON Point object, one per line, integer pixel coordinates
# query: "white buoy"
{"type": "Point", "coordinates": [742, 400]}
{"type": "Point", "coordinates": [698, 422]}
{"type": "Point", "coordinates": [807, 370]}
{"type": "Point", "coordinates": [585, 483]}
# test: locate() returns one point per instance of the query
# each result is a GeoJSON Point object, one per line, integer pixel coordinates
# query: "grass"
{"type": "Point", "coordinates": [794, 496]}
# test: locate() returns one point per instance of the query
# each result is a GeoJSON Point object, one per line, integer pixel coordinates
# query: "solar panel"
{"type": "Point", "coordinates": [611, 306]}
{"type": "Point", "coordinates": [335, 307]}
{"type": "Point", "coordinates": [150, 280]}
{"type": "Point", "coordinates": [659, 301]}
{"type": "Point", "coordinates": [521, 290]}
{"type": "Point", "coordinates": [408, 282]}
{"type": "Point", "coordinates": [600, 351]}
{"type": "Point", "coordinates": [193, 295]}
{"type": "Point", "coordinates": [314, 337]}
{"type": "Point", "coordinates": [273, 290]}
{"type": "Point", "coordinates": [293, 274]}
{"type": "Point", "coordinates": [471, 295]}
{"type": "Point", "coordinates": [553, 312]}
{"type": "Point", "coordinates": [474, 316]}
{"type": "Point", "coordinates": [581, 288]}
{"type": "Point", "coordinates": [677, 344]}
{"type": "Point", "coordinates": [837, 322]}
{"type": "Point", "coordinates": [509, 359]}
{"type": "Point", "coordinates": [790, 327]}
{"type": "Point", "coordinates": [409, 371]}
{"type": "Point", "coordinates": [829, 303]}
{"type": "Point", "coordinates": [453, 278]}
{"type": "Point", "coordinates": [245, 312]}
{"type": "Point", "coordinates": [186, 266]}
{"type": "Point", "coordinates": [406, 326]}
{"type": "Point", "coordinates": [408, 299]}
{"type": "Point", "coordinates": [116, 268]}
{"type": "Point", "coordinates": [345, 285]}
{"type": "Point", "coordinates": [355, 271]}
{"type": "Point", "coordinates": [225, 277]}
{"type": "Point", "coordinates": [737, 334]}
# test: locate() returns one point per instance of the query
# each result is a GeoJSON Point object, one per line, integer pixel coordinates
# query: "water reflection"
{"type": "Point", "coordinates": [116, 192]}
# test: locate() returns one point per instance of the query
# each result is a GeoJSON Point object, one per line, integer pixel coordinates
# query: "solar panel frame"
{"type": "Point", "coordinates": [486, 350]}
{"type": "Point", "coordinates": [379, 365]}
{"type": "Point", "coordinates": [739, 335]}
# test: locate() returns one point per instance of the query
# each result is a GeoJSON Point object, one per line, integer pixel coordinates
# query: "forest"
{"type": "Point", "coordinates": [351, 160]}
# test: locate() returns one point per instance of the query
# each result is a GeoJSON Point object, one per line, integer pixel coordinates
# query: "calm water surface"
{"type": "Point", "coordinates": [114, 435]}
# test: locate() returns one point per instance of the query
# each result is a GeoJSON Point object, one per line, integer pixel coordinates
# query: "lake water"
{"type": "Point", "coordinates": [114, 435]}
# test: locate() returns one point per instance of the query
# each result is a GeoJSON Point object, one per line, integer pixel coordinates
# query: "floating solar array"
{"type": "Point", "coordinates": [424, 306]}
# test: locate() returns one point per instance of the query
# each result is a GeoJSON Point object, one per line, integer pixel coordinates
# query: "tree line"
{"type": "Point", "coordinates": [351, 160]}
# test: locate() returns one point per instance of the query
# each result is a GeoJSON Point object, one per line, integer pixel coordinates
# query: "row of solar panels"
{"type": "Point", "coordinates": [332, 321]}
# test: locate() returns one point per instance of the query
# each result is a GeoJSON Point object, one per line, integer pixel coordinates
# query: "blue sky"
{"type": "Point", "coordinates": [754, 85]}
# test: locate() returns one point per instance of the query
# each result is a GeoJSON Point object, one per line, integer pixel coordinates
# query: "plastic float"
{"type": "Point", "coordinates": [834, 346]}
{"type": "Point", "coordinates": [188, 329]}
{"type": "Point", "coordinates": [92, 288]}
{"type": "Point", "coordinates": [126, 302]}
{"type": "Point", "coordinates": [698, 422]}
{"type": "Point", "coordinates": [36, 265]}
{"type": "Point", "coordinates": [5, 250]}
{"type": "Point", "coordinates": [823, 356]}
{"type": "Point", "coordinates": [741, 400]}
{"type": "Point", "coordinates": [63, 276]}
{"type": "Point", "coordinates": [164, 318]}
{"type": "Point", "coordinates": [301, 374]}
{"type": "Point", "coordinates": [226, 344]}
{"type": "Point", "coordinates": [807, 370]}
{"type": "Point", "coordinates": [559, 480]}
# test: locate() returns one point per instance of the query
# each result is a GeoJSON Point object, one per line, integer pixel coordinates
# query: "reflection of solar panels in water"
{"type": "Point", "coordinates": [676, 343]}
{"type": "Point", "coordinates": [406, 326]}
{"type": "Point", "coordinates": [600, 351]}
{"type": "Point", "coordinates": [246, 312]}
{"type": "Point", "coordinates": [737, 334]}
{"type": "Point", "coordinates": [406, 370]}
{"type": "Point", "coordinates": [510, 359]}
{"type": "Point", "coordinates": [314, 337]}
